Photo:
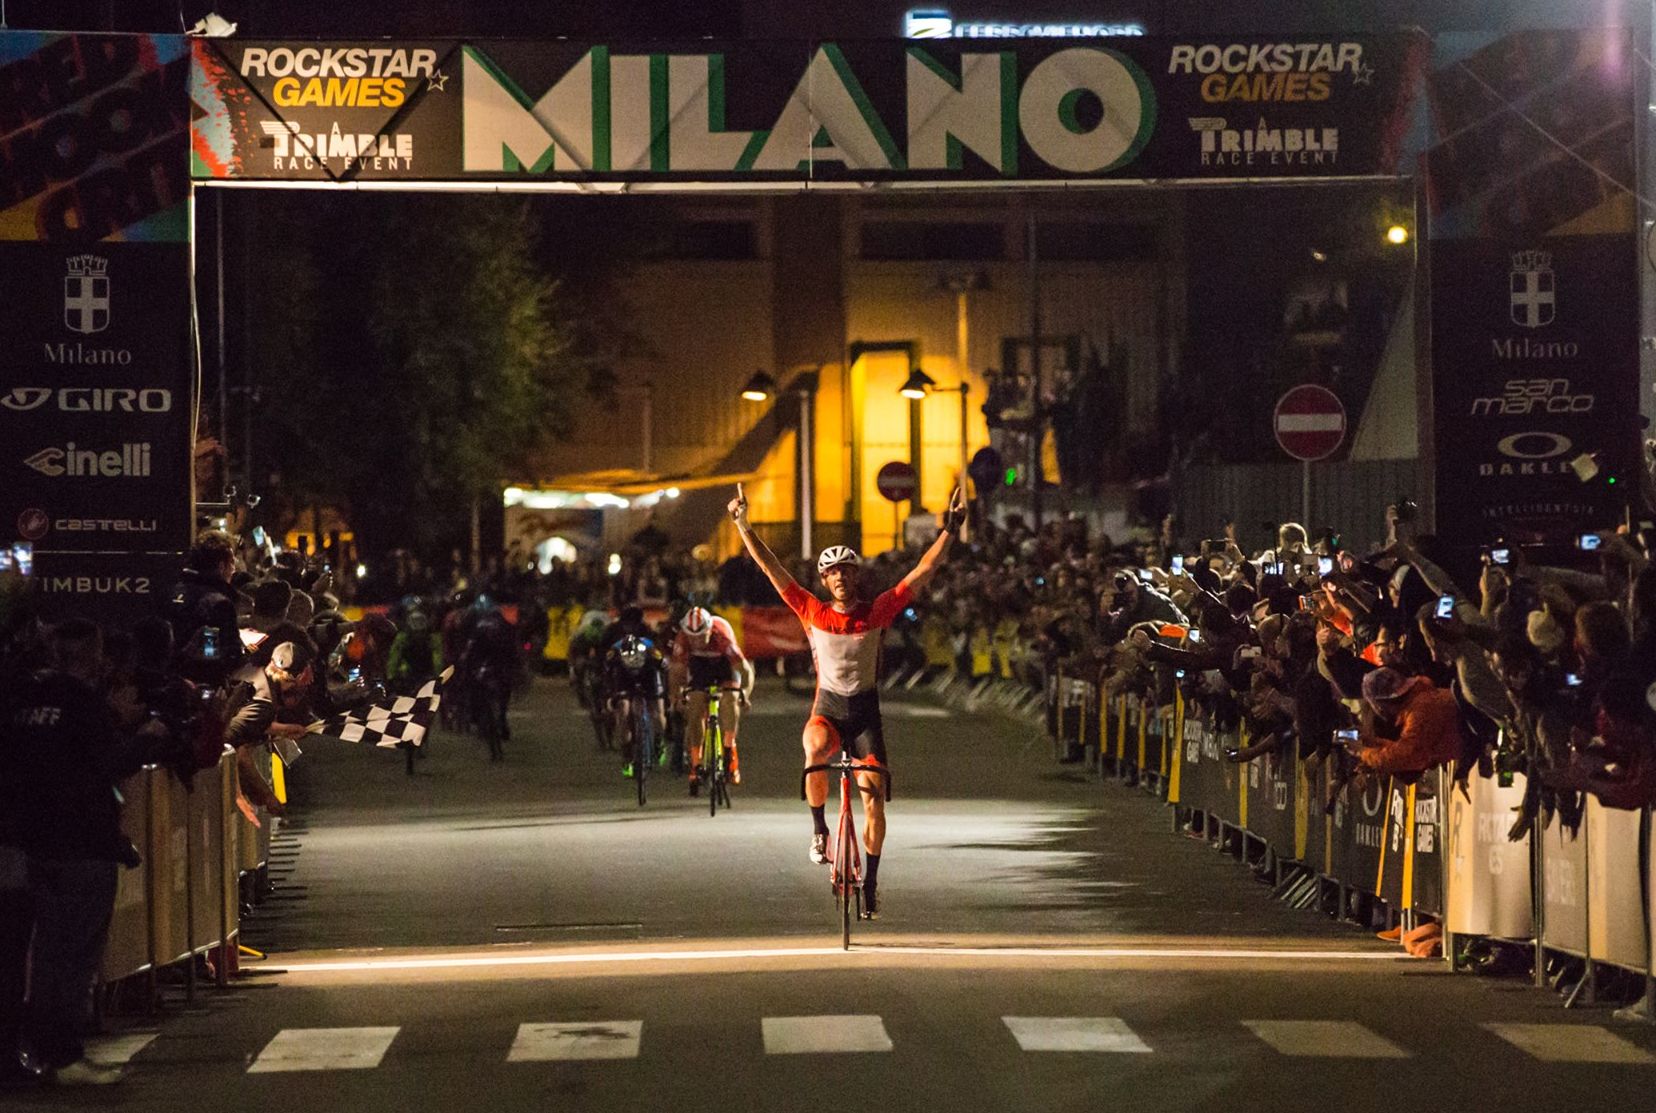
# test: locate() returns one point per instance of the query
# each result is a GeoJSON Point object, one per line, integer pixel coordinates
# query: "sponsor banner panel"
{"type": "Point", "coordinates": [95, 396]}
{"type": "Point", "coordinates": [114, 589]}
{"type": "Point", "coordinates": [94, 137]}
{"type": "Point", "coordinates": [1536, 380]}
{"type": "Point", "coordinates": [942, 110]}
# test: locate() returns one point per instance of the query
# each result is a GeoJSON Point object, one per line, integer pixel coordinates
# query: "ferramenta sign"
{"type": "Point", "coordinates": [1031, 110]}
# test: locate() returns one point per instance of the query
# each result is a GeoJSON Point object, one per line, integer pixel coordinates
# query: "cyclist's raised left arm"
{"type": "Point", "coordinates": [915, 581]}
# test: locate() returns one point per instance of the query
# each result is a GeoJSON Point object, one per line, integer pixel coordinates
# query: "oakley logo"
{"type": "Point", "coordinates": [1534, 446]}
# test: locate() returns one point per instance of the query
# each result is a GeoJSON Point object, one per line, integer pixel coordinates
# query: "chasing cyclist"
{"type": "Point", "coordinates": [845, 640]}
{"type": "Point", "coordinates": [705, 655]}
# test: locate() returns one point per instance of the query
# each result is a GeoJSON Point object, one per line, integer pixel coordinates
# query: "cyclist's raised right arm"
{"type": "Point", "coordinates": [756, 547]}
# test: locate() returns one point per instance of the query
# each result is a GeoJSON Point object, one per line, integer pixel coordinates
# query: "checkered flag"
{"type": "Point", "coordinates": [403, 719]}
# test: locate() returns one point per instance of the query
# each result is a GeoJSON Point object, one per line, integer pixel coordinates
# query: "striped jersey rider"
{"type": "Point", "coordinates": [845, 639]}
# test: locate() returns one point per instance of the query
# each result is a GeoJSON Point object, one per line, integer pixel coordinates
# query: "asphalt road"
{"type": "Point", "coordinates": [523, 936]}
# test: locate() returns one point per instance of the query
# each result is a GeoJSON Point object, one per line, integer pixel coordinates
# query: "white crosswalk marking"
{"type": "Point", "coordinates": [1074, 1033]}
{"type": "Point", "coordinates": [298, 1049]}
{"type": "Point", "coordinates": [1571, 1043]}
{"type": "Point", "coordinates": [591, 1039]}
{"type": "Point", "coordinates": [1325, 1039]}
{"type": "Point", "coordinates": [116, 1051]}
{"type": "Point", "coordinates": [812, 1035]}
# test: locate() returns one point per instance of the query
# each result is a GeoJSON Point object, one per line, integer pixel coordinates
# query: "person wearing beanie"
{"type": "Point", "coordinates": [1427, 721]}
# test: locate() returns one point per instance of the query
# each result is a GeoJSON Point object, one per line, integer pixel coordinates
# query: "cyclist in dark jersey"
{"type": "Point", "coordinates": [845, 637]}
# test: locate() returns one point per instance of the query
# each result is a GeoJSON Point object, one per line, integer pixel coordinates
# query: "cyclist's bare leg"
{"type": "Point", "coordinates": [621, 731]}
{"type": "Point", "coordinates": [730, 718]}
{"type": "Point", "coordinates": [874, 819]}
{"type": "Point", "coordinates": [819, 745]}
{"type": "Point", "coordinates": [694, 716]}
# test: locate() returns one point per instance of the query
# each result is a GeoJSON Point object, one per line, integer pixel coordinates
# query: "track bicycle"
{"type": "Point", "coordinates": [642, 725]}
{"type": "Point", "coordinates": [845, 857]}
{"type": "Point", "coordinates": [714, 769]}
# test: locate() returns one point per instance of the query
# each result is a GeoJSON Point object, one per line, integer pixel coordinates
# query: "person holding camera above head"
{"type": "Point", "coordinates": [1128, 602]}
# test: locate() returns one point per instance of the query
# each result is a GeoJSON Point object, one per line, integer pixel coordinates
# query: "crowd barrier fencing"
{"type": "Point", "coordinates": [1430, 848]}
{"type": "Point", "coordinates": [182, 899]}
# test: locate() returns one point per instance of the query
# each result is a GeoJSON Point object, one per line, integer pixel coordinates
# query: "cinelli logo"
{"type": "Point", "coordinates": [74, 399]}
{"type": "Point", "coordinates": [130, 461]}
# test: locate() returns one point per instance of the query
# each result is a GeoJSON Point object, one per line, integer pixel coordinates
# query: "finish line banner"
{"type": "Point", "coordinates": [1035, 110]}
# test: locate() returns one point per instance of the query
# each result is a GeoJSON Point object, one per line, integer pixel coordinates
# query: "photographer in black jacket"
{"type": "Point", "coordinates": [60, 758]}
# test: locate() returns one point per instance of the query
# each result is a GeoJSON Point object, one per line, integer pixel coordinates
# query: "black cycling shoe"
{"type": "Point", "coordinates": [870, 903]}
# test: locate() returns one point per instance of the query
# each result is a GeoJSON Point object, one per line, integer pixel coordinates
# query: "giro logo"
{"type": "Point", "coordinates": [1534, 446]}
{"type": "Point", "coordinates": [130, 461]}
{"type": "Point", "coordinates": [26, 398]}
{"type": "Point", "coordinates": [78, 399]}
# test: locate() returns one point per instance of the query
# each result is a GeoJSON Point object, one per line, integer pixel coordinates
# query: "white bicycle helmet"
{"type": "Point", "coordinates": [696, 622]}
{"type": "Point", "coordinates": [836, 554]}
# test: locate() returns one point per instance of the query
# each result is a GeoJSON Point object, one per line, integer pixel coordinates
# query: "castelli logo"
{"type": "Point", "coordinates": [33, 524]}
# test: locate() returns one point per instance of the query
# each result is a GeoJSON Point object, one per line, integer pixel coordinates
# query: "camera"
{"type": "Point", "coordinates": [1406, 508]}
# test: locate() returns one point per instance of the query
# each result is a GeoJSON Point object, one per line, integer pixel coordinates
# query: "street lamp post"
{"type": "Point", "coordinates": [760, 388]}
{"type": "Point", "coordinates": [917, 386]}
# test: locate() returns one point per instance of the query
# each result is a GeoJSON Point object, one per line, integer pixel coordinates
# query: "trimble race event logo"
{"type": "Point", "coordinates": [336, 149]}
{"type": "Point", "coordinates": [86, 294]}
{"type": "Point", "coordinates": [1263, 145]}
{"type": "Point", "coordinates": [1533, 288]}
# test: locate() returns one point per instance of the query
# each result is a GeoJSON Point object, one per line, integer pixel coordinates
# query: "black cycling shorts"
{"type": "Point", "coordinates": [711, 672]}
{"type": "Point", "coordinates": [854, 722]}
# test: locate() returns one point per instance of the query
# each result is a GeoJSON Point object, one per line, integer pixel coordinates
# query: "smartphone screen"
{"type": "Point", "coordinates": [1446, 606]}
{"type": "Point", "coordinates": [1144, 575]}
{"type": "Point", "coordinates": [209, 644]}
{"type": "Point", "coordinates": [258, 535]}
{"type": "Point", "coordinates": [1194, 635]}
{"type": "Point", "coordinates": [1325, 565]}
{"type": "Point", "coordinates": [1178, 563]}
{"type": "Point", "coordinates": [1572, 680]}
{"type": "Point", "coordinates": [1500, 556]}
{"type": "Point", "coordinates": [1346, 735]}
{"type": "Point", "coordinates": [1587, 542]}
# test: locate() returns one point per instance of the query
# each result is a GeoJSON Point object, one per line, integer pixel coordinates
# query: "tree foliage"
{"type": "Point", "coordinates": [414, 354]}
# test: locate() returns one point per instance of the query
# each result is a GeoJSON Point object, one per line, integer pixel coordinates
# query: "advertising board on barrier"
{"type": "Point", "coordinates": [940, 110]}
{"type": "Point", "coordinates": [1489, 876]}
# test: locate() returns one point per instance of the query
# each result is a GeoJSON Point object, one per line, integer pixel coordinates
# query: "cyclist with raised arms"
{"type": "Point", "coordinates": [845, 637]}
{"type": "Point", "coordinates": [705, 655]}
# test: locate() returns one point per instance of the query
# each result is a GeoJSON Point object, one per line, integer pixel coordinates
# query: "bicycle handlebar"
{"type": "Point", "coordinates": [846, 767]}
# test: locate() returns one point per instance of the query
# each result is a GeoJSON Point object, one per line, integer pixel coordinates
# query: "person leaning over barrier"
{"type": "Point", "coordinates": [1427, 721]}
{"type": "Point", "coordinates": [61, 756]}
{"type": "Point", "coordinates": [277, 678]}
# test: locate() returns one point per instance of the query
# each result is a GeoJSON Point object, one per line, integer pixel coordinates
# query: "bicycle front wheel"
{"type": "Point", "coordinates": [713, 752]}
{"type": "Point", "coordinates": [848, 886]}
{"type": "Point", "coordinates": [644, 755]}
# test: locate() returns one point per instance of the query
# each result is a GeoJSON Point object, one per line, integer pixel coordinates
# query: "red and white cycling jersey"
{"type": "Point", "coordinates": [846, 644]}
{"type": "Point", "coordinates": [720, 642]}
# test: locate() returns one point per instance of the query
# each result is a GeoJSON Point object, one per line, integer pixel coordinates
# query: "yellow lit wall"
{"type": "Point", "coordinates": [885, 438]}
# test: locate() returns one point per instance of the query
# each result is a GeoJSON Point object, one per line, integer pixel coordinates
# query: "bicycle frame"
{"type": "Point", "coordinates": [845, 856]}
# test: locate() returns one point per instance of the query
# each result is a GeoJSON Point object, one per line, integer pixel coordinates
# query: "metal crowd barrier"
{"type": "Point", "coordinates": [182, 900]}
{"type": "Point", "coordinates": [1421, 849]}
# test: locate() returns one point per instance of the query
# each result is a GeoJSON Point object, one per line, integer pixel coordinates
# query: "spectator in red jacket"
{"type": "Point", "coordinates": [1427, 721]}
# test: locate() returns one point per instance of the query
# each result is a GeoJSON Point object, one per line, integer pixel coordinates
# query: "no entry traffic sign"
{"type": "Point", "coordinates": [1310, 423]}
{"type": "Point", "coordinates": [896, 481]}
